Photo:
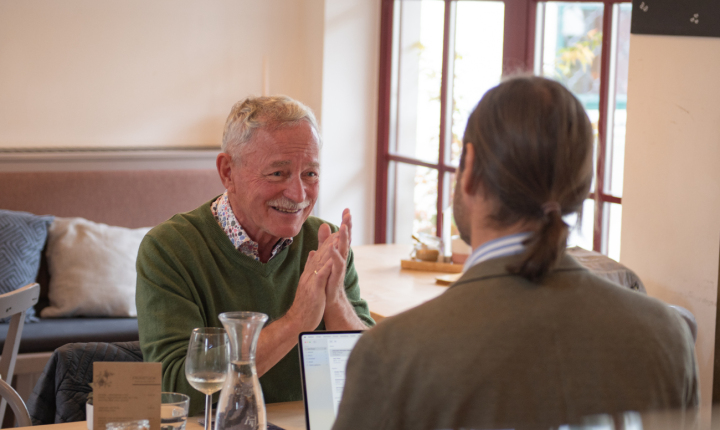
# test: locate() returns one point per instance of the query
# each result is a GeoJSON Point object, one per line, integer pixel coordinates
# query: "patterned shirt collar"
{"type": "Point", "coordinates": [501, 247]}
{"type": "Point", "coordinates": [224, 215]}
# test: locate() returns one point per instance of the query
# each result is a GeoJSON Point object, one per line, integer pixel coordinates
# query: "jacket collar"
{"type": "Point", "coordinates": [497, 267]}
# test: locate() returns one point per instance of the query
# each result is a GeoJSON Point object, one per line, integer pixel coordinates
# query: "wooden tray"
{"type": "Point", "coordinates": [428, 266]}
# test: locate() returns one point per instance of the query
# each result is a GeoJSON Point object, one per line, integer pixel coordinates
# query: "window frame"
{"type": "Point", "coordinates": [518, 55]}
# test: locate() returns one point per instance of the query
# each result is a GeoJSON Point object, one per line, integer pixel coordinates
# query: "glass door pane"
{"type": "Point", "coordinates": [617, 106]}
{"type": "Point", "coordinates": [581, 230]}
{"type": "Point", "coordinates": [571, 38]}
{"type": "Point", "coordinates": [479, 31]}
{"type": "Point", "coordinates": [614, 225]}
{"type": "Point", "coordinates": [413, 202]}
{"type": "Point", "coordinates": [418, 47]}
{"type": "Point", "coordinates": [448, 222]}
{"type": "Point", "coordinates": [569, 43]}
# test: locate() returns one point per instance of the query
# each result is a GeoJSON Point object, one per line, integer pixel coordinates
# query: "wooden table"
{"type": "Point", "coordinates": [388, 289]}
{"type": "Point", "coordinates": [289, 415]}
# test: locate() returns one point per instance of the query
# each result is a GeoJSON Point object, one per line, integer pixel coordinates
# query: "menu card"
{"type": "Point", "coordinates": [126, 391]}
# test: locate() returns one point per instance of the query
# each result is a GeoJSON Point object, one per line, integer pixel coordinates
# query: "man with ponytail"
{"type": "Point", "coordinates": [527, 337]}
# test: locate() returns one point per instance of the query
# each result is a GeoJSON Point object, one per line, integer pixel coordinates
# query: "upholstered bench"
{"type": "Point", "coordinates": [128, 199]}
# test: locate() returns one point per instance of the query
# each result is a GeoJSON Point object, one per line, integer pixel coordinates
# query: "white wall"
{"type": "Point", "coordinates": [349, 113]}
{"type": "Point", "coordinates": [139, 73]}
{"type": "Point", "coordinates": [164, 73]}
{"type": "Point", "coordinates": [671, 197]}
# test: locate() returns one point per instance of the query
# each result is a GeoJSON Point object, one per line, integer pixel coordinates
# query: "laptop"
{"type": "Point", "coordinates": [323, 358]}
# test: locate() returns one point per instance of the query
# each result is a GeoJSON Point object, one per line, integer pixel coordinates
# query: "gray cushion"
{"type": "Point", "coordinates": [92, 269]}
{"type": "Point", "coordinates": [22, 237]}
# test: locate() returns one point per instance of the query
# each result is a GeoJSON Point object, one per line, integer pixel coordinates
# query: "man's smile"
{"type": "Point", "coordinates": [288, 206]}
{"type": "Point", "coordinates": [286, 210]}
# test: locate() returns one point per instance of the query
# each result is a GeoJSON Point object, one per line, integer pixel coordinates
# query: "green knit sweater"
{"type": "Point", "coordinates": [189, 272]}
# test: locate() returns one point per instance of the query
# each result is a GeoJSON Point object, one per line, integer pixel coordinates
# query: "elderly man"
{"type": "Point", "coordinates": [254, 248]}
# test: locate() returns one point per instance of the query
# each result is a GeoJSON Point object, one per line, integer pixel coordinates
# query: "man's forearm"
{"type": "Point", "coordinates": [275, 341]}
{"type": "Point", "coordinates": [305, 314]}
{"type": "Point", "coordinates": [341, 316]}
{"type": "Point", "coordinates": [278, 338]}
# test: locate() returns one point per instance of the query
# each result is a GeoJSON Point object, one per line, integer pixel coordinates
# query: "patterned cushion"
{"type": "Point", "coordinates": [22, 237]}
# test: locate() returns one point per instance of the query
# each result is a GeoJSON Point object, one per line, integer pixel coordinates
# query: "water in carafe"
{"type": "Point", "coordinates": [241, 405]}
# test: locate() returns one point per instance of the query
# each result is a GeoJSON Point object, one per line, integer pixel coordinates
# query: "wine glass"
{"type": "Point", "coordinates": [206, 363]}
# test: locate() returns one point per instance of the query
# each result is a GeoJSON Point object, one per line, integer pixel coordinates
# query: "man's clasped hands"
{"type": "Point", "coordinates": [321, 290]}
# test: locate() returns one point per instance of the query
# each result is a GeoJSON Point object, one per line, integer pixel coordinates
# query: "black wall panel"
{"type": "Point", "coordinates": [676, 17]}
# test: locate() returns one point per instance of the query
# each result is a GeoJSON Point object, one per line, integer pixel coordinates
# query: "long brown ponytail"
{"type": "Point", "coordinates": [533, 155]}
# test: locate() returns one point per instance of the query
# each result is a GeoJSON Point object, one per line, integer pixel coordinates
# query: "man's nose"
{"type": "Point", "coordinates": [295, 190]}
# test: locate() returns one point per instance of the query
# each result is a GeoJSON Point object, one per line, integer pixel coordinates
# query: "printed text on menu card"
{"type": "Point", "coordinates": [126, 392]}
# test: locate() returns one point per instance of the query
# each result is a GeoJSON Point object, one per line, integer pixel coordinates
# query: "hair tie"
{"type": "Point", "coordinates": [550, 207]}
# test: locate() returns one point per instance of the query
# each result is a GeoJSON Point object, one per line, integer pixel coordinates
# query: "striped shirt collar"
{"type": "Point", "coordinates": [500, 247]}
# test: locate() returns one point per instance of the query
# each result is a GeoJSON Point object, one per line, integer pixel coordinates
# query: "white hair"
{"type": "Point", "coordinates": [262, 112]}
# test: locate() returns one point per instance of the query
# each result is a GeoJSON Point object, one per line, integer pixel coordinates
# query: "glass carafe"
{"type": "Point", "coordinates": [241, 405]}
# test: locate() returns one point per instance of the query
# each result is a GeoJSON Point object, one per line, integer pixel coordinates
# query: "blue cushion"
{"type": "Point", "coordinates": [22, 238]}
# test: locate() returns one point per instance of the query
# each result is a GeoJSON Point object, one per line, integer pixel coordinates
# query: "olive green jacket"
{"type": "Point", "coordinates": [497, 351]}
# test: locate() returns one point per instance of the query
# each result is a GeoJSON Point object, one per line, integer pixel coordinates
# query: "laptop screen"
{"type": "Point", "coordinates": [323, 357]}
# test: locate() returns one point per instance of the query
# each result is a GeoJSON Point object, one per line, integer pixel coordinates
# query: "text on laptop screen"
{"type": "Point", "coordinates": [324, 358]}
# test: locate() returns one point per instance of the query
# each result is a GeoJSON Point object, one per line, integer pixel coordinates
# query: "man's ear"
{"type": "Point", "coordinates": [466, 177]}
{"type": "Point", "coordinates": [225, 165]}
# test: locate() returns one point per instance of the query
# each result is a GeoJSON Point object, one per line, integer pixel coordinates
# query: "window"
{"type": "Point", "coordinates": [438, 57]}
